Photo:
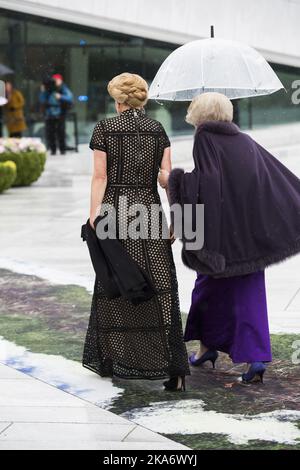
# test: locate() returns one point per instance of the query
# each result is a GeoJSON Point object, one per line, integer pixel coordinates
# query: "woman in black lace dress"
{"type": "Point", "coordinates": [142, 341]}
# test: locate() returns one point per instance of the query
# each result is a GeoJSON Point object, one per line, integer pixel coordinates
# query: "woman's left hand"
{"type": "Point", "coordinates": [91, 222]}
{"type": "Point", "coordinates": [171, 233]}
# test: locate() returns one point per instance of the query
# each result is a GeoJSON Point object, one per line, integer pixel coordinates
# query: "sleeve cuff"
{"type": "Point", "coordinates": [97, 147]}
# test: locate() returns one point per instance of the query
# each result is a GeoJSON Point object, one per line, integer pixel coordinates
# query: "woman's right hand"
{"type": "Point", "coordinates": [163, 178]}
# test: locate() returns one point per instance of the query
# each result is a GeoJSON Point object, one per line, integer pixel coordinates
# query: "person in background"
{"type": "Point", "coordinates": [14, 111]}
{"type": "Point", "coordinates": [56, 99]}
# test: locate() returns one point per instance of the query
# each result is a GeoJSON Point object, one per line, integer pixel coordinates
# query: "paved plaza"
{"type": "Point", "coordinates": [35, 415]}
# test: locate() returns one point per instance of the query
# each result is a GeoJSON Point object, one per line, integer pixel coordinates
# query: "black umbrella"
{"type": "Point", "coordinates": [4, 70]}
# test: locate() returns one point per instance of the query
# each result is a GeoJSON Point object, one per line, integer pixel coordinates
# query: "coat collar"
{"type": "Point", "coordinates": [219, 127]}
{"type": "Point", "coordinates": [133, 111]}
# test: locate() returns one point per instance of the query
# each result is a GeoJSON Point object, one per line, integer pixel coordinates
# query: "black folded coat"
{"type": "Point", "coordinates": [116, 271]}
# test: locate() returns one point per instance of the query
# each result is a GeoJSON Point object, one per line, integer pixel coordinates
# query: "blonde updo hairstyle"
{"type": "Point", "coordinates": [210, 106]}
{"type": "Point", "coordinates": [129, 89]}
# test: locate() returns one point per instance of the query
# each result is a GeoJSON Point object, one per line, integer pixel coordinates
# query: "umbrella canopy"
{"type": "Point", "coordinates": [228, 67]}
{"type": "Point", "coordinates": [4, 70]}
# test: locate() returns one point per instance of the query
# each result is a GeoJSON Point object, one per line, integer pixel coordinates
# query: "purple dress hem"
{"type": "Point", "coordinates": [230, 315]}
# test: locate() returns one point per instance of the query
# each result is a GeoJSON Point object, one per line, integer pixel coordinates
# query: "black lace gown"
{"type": "Point", "coordinates": [143, 341]}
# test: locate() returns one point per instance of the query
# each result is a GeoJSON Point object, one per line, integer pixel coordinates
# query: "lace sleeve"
{"type": "Point", "coordinates": [98, 138]}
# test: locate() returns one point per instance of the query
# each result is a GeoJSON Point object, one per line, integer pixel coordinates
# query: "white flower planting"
{"type": "Point", "coordinates": [24, 144]}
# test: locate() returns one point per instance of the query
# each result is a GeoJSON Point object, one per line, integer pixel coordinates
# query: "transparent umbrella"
{"type": "Point", "coordinates": [228, 67]}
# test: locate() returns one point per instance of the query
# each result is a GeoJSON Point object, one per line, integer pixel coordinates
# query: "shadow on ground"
{"type": "Point", "coordinates": [52, 319]}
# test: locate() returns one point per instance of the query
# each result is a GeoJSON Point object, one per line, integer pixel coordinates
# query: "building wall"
{"type": "Point", "coordinates": [271, 26]}
{"type": "Point", "coordinates": [88, 57]}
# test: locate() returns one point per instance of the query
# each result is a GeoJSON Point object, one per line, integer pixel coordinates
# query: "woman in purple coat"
{"type": "Point", "coordinates": [251, 220]}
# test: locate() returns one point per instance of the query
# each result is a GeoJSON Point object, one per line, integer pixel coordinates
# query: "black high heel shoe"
{"type": "Point", "coordinates": [173, 384]}
{"type": "Point", "coordinates": [211, 356]}
{"type": "Point", "coordinates": [255, 373]}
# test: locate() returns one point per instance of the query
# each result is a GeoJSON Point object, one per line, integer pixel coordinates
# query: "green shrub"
{"type": "Point", "coordinates": [8, 173]}
{"type": "Point", "coordinates": [30, 165]}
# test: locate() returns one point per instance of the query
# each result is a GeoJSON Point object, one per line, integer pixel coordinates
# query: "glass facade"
{"type": "Point", "coordinates": [88, 58]}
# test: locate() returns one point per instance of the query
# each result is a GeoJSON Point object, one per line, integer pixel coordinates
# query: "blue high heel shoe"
{"type": "Point", "coordinates": [255, 373]}
{"type": "Point", "coordinates": [211, 356]}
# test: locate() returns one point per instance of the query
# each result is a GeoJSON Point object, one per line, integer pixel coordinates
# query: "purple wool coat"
{"type": "Point", "coordinates": [251, 203]}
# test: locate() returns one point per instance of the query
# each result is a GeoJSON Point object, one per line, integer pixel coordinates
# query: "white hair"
{"type": "Point", "coordinates": [209, 107]}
